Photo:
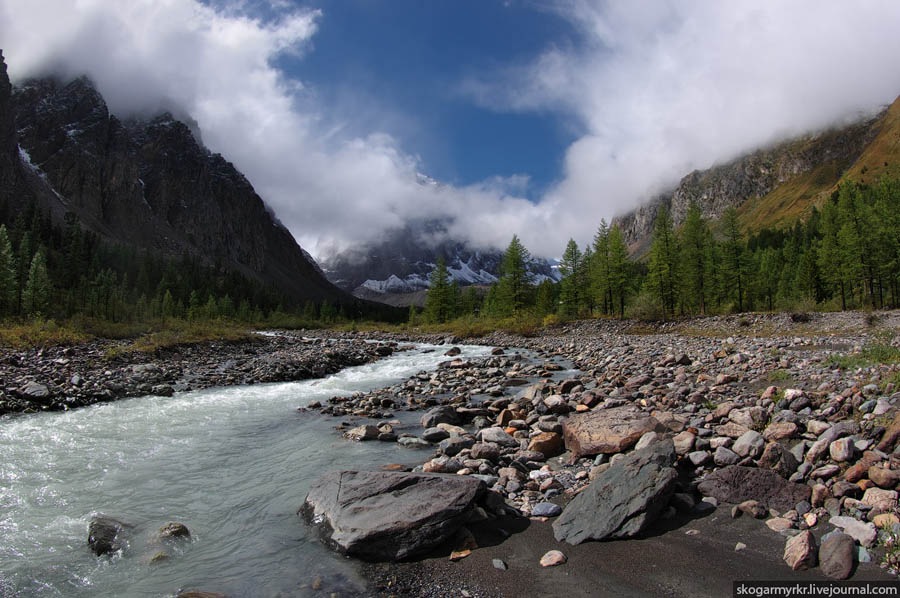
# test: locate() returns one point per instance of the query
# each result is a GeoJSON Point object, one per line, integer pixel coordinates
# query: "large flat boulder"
{"type": "Point", "coordinates": [606, 430]}
{"type": "Point", "coordinates": [736, 483]}
{"type": "Point", "coordinates": [624, 499]}
{"type": "Point", "coordinates": [389, 516]}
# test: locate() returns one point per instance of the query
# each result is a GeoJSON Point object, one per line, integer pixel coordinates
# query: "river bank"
{"type": "Point", "coordinates": [811, 399]}
{"type": "Point", "coordinates": [66, 377]}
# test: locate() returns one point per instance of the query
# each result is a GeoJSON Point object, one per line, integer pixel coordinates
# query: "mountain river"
{"type": "Point", "coordinates": [233, 464]}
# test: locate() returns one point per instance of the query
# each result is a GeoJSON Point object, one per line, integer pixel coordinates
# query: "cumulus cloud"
{"type": "Point", "coordinates": [665, 88]}
{"type": "Point", "coordinates": [654, 92]}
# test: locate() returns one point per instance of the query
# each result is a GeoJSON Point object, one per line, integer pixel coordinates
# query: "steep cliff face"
{"type": "Point", "coordinates": [146, 182]}
{"type": "Point", "coordinates": [769, 186]}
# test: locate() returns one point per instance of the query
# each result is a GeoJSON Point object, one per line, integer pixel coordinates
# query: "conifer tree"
{"type": "Point", "coordinates": [36, 295]}
{"type": "Point", "coordinates": [438, 307]}
{"type": "Point", "coordinates": [618, 269]}
{"type": "Point", "coordinates": [7, 275]}
{"type": "Point", "coordinates": [695, 239]}
{"type": "Point", "coordinates": [569, 287]}
{"type": "Point", "coordinates": [515, 278]}
{"type": "Point", "coordinates": [663, 275]}
{"type": "Point", "coordinates": [733, 250]}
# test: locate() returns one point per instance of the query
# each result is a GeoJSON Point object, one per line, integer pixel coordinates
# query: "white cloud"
{"type": "Point", "coordinates": [656, 90]}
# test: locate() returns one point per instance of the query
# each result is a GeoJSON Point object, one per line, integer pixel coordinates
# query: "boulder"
{"type": "Point", "coordinates": [106, 534]}
{"type": "Point", "coordinates": [389, 515]}
{"type": "Point", "coordinates": [174, 530]}
{"type": "Point", "coordinates": [801, 552]}
{"type": "Point", "coordinates": [623, 500]}
{"type": "Point", "coordinates": [444, 414]}
{"type": "Point", "coordinates": [549, 444]}
{"type": "Point", "coordinates": [861, 531]}
{"type": "Point", "coordinates": [36, 393]}
{"type": "Point", "coordinates": [606, 430]}
{"type": "Point", "coordinates": [736, 483]}
{"type": "Point", "coordinates": [497, 436]}
{"type": "Point", "coordinates": [836, 555]}
{"type": "Point", "coordinates": [779, 459]}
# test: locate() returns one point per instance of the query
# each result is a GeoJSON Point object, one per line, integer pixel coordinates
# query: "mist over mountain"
{"type": "Point", "coordinates": [148, 183]}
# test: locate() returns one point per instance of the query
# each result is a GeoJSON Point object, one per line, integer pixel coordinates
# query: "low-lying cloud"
{"type": "Point", "coordinates": [654, 91]}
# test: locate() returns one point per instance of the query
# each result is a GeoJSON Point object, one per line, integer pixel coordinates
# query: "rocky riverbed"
{"type": "Point", "coordinates": [66, 377]}
{"type": "Point", "coordinates": [759, 416]}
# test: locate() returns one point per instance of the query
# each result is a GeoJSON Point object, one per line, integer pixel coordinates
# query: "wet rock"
{"type": "Point", "coordinates": [623, 500]}
{"type": "Point", "coordinates": [737, 483]}
{"type": "Point", "coordinates": [199, 594]}
{"type": "Point", "coordinates": [443, 414]}
{"type": "Point", "coordinates": [412, 442]}
{"type": "Point", "coordinates": [389, 515]}
{"type": "Point", "coordinates": [362, 433]}
{"type": "Point", "coordinates": [174, 530]}
{"type": "Point", "coordinates": [107, 535]}
{"type": "Point", "coordinates": [606, 430]}
{"type": "Point", "coordinates": [801, 552]}
{"type": "Point", "coordinates": [836, 555]}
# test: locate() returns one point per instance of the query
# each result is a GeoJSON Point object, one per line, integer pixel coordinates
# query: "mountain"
{"type": "Point", "coordinates": [147, 182]}
{"type": "Point", "coordinates": [772, 187]}
{"type": "Point", "coordinates": [394, 269]}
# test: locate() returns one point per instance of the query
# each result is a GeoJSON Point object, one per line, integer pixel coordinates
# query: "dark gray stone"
{"type": "Point", "coordinates": [453, 445]}
{"type": "Point", "coordinates": [624, 499]}
{"type": "Point", "coordinates": [736, 483]}
{"type": "Point", "coordinates": [389, 515]}
{"type": "Point", "coordinates": [106, 534]}
{"type": "Point", "coordinates": [836, 555]}
{"type": "Point", "coordinates": [444, 414]}
{"type": "Point", "coordinates": [435, 434]}
{"type": "Point", "coordinates": [36, 393]}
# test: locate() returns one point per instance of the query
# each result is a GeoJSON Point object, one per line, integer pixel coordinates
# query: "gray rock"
{"type": "Point", "coordinates": [106, 534]}
{"type": "Point", "coordinates": [444, 414]}
{"type": "Point", "coordinates": [780, 460]}
{"type": "Point", "coordinates": [453, 445]}
{"type": "Point", "coordinates": [836, 555]}
{"type": "Point", "coordinates": [36, 393]}
{"type": "Point", "coordinates": [485, 450]}
{"type": "Point", "coordinates": [624, 499]}
{"type": "Point", "coordinates": [736, 484]}
{"type": "Point", "coordinates": [546, 509]}
{"type": "Point", "coordinates": [861, 531]}
{"type": "Point", "coordinates": [361, 433]}
{"type": "Point", "coordinates": [389, 515]}
{"type": "Point", "coordinates": [499, 564]}
{"type": "Point", "coordinates": [698, 458]}
{"type": "Point", "coordinates": [750, 444]}
{"type": "Point", "coordinates": [497, 436]}
{"type": "Point", "coordinates": [725, 456]}
{"type": "Point", "coordinates": [435, 434]}
{"type": "Point", "coordinates": [413, 442]}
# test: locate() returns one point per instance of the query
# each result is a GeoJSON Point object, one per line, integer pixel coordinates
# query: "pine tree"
{"type": "Point", "coordinates": [437, 301]}
{"type": "Point", "coordinates": [618, 269]}
{"type": "Point", "coordinates": [663, 276]}
{"type": "Point", "coordinates": [733, 250]}
{"type": "Point", "coordinates": [569, 287]}
{"type": "Point", "coordinates": [7, 275]}
{"type": "Point", "coordinates": [599, 272]}
{"type": "Point", "coordinates": [36, 296]}
{"type": "Point", "coordinates": [695, 239]}
{"type": "Point", "coordinates": [545, 302]}
{"type": "Point", "coordinates": [512, 293]}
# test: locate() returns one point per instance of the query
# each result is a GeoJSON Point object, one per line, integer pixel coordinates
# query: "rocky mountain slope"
{"type": "Point", "coordinates": [402, 261]}
{"type": "Point", "coordinates": [148, 183]}
{"type": "Point", "coordinates": [774, 186]}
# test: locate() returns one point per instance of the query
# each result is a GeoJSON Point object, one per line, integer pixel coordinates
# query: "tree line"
{"type": "Point", "coordinates": [845, 255]}
{"type": "Point", "coordinates": [50, 270]}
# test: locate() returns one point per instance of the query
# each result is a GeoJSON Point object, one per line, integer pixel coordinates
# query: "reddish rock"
{"type": "Point", "coordinates": [890, 435]}
{"type": "Point", "coordinates": [858, 471]}
{"type": "Point", "coordinates": [550, 444]}
{"type": "Point", "coordinates": [606, 430]}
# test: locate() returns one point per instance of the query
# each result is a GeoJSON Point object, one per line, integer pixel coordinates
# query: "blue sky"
{"type": "Point", "coordinates": [402, 64]}
{"type": "Point", "coordinates": [534, 117]}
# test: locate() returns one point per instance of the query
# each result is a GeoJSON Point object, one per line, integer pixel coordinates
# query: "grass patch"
{"type": "Point", "coordinates": [779, 376]}
{"type": "Point", "coordinates": [40, 333]}
{"type": "Point", "coordinates": [872, 354]}
{"type": "Point", "coordinates": [176, 333]}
